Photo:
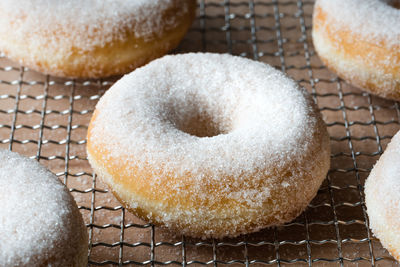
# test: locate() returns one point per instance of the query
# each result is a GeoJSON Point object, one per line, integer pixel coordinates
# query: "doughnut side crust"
{"type": "Point", "coordinates": [382, 198]}
{"type": "Point", "coordinates": [120, 53]}
{"type": "Point", "coordinates": [371, 65]}
{"type": "Point", "coordinates": [183, 214]}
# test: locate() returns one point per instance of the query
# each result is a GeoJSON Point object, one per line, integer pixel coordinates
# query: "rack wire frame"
{"type": "Point", "coordinates": [30, 102]}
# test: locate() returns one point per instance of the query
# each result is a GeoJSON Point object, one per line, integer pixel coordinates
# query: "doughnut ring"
{"type": "Point", "coordinates": [360, 41]}
{"type": "Point", "coordinates": [209, 145]}
{"type": "Point", "coordinates": [91, 39]}
{"type": "Point", "coordinates": [40, 222]}
{"type": "Point", "coordinates": [383, 200]}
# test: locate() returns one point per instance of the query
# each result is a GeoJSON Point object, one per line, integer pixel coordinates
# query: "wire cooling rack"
{"type": "Point", "coordinates": [46, 118]}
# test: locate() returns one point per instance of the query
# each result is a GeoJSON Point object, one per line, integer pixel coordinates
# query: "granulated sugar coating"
{"type": "Point", "coordinates": [209, 145]}
{"type": "Point", "coordinates": [376, 20]}
{"type": "Point", "coordinates": [86, 24]}
{"type": "Point", "coordinates": [40, 224]}
{"type": "Point", "coordinates": [359, 40]}
{"type": "Point", "coordinates": [383, 200]}
{"type": "Point", "coordinates": [91, 38]}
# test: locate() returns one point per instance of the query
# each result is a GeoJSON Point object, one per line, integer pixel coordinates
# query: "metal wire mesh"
{"type": "Point", "coordinates": [46, 118]}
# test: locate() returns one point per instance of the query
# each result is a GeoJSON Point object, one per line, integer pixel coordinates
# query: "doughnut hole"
{"type": "Point", "coordinates": [200, 125]}
{"type": "Point", "coordinates": [198, 120]}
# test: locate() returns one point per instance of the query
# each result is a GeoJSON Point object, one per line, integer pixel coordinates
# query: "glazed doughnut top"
{"type": "Point", "coordinates": [203, 113]}
{"type": "Point", "coordinates": [84, 24]}
{"type": "Point", "coordinates": [376, 20]}
{"type": "Point", "coordinates": [39, 219]}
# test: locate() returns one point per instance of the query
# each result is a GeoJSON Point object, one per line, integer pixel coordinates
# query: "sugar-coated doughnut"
{"type": "Point", "coordinates": [360, 41]}
{"type": "Point", "coordinates": [383, 199]}
{"type": "Point", "coordinates": [92, 39]}
{"type": "Point", "coordinates": [40, 224]}
{"type": "Point", "coordinates": [209, 145]}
